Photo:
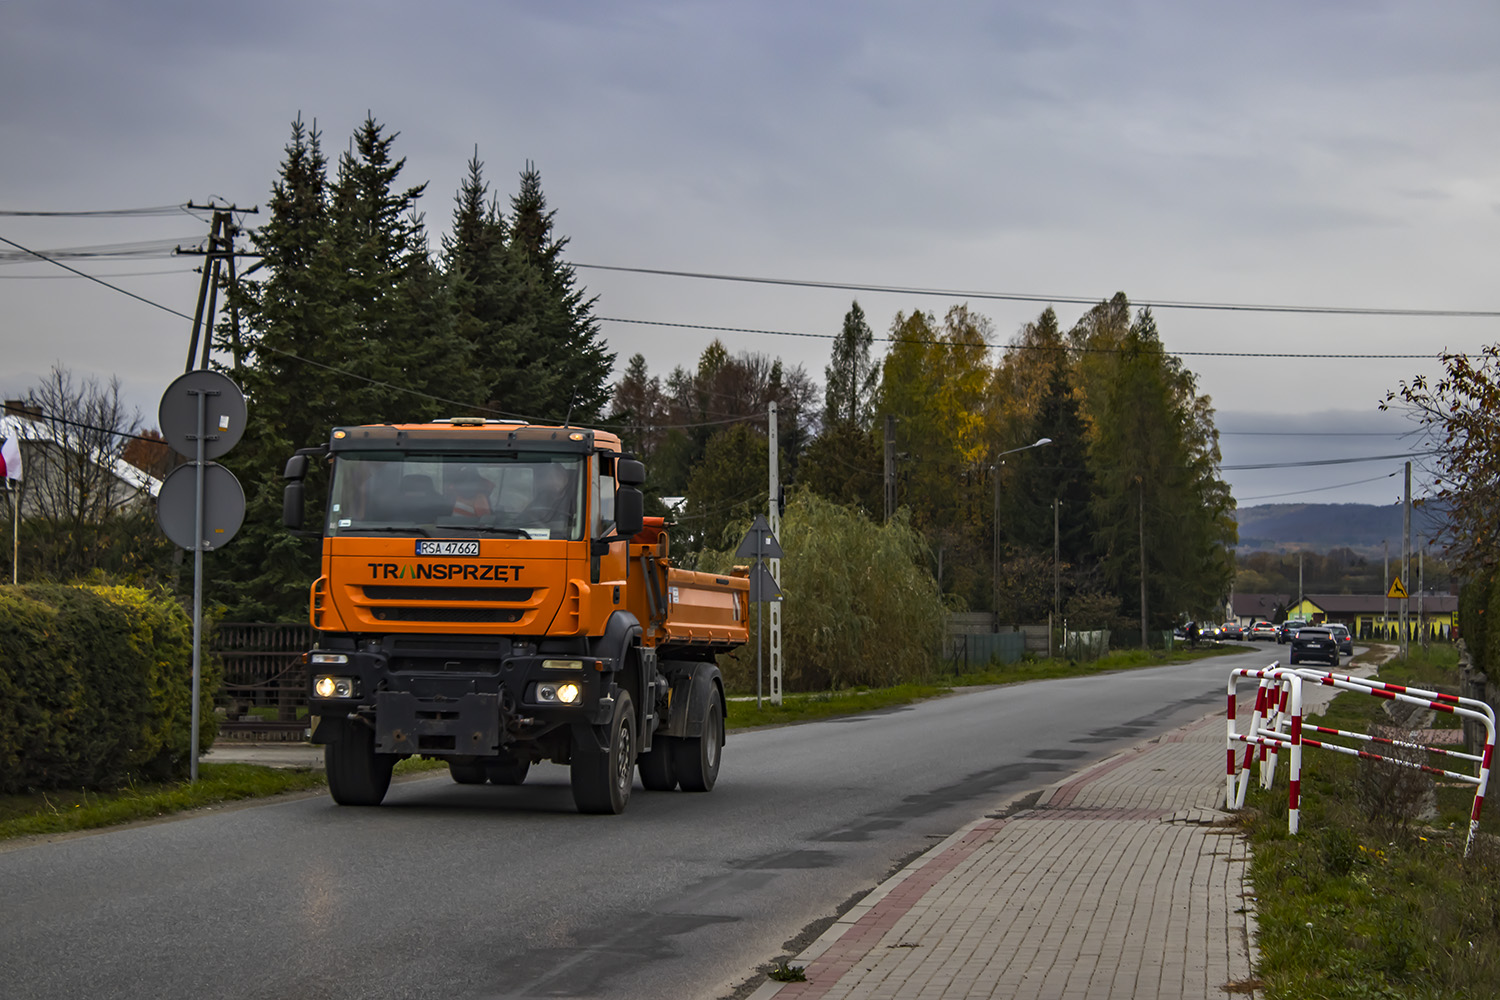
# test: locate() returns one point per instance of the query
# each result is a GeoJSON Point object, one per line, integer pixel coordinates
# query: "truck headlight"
{"type": "Point", "coordinates": [328, 686]}
{"type": "Point", "coordinates": [329, 658]}
{"type": "Point", "coordinates": [559, 692]}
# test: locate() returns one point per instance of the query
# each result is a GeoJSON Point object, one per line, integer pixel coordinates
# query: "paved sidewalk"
{"type": "Point", "coordinates": [1126, 880]}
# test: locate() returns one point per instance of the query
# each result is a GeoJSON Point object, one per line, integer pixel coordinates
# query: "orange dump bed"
{"type": "Point", "coordinates": [704, 610]}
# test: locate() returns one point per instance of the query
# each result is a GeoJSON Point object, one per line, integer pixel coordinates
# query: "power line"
{"type": "Point", "coordinates": [1321, 356]}
{"type": "Point", "coordinates": [1088, 300]}
{"type": "Point", "coordinates": [140, 248]}
{"type": "Point", "coordinates": [113, 274]}
{"type": "Point", "coordinates": [81, 274]}
{"type": "Point", "coordinates": [1325, 461]}
{"type": "Point", "coordinates": [1318, 489]}
{"type": "Point", "coordinates": [121, 213]}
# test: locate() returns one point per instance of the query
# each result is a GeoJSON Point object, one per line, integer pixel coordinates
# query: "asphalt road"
{"type": "Point", "coordinates": [459, 891]}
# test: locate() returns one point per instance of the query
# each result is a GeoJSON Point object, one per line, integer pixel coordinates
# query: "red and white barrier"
{"type": "Point", "coordinates": [1277, 721]}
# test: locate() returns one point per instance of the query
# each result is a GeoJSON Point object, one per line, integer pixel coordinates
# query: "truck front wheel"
{"type": "Point", "coordinates": [696, 758]}
{"type": "Point", "coordinates": [357, 775]}
{"type": "Point", "coordinates": [602, 776]}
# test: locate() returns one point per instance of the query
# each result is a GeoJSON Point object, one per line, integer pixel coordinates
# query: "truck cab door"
{"type": "Point", "coordinates": [609, 567]}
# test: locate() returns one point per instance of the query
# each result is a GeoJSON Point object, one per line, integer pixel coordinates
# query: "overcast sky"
{"type": "Point", "coordinates": [1299, 153]}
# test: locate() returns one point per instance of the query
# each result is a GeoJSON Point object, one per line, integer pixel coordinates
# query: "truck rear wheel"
{"type": "Point", "coordinates": [657, 773]}
{"type": "Point", "coordinates": [696, 758]}
{"type": "Point", "coordinates": [357, 775]}
{"type": "Point", "coordinates": [601, 777]}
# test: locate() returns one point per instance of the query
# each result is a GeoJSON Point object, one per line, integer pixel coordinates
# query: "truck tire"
{"type": "Point", "coordinates": [602, 778]}
{"type": "Point", "coordinates": [510, 771]}
{"type": "Point", "coordinates": [357, 775]}
{"type": "Point", "coordinates": [657, 772]}
{"type": "Point", "coordinates": [471, 773]}
{"type": "Point", "coordinates": [695, 759]}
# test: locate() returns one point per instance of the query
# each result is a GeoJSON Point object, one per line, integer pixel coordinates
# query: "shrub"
{"type": "Point", "coordinates": [861, 607]}
{"type": "Point", "coordinates": [96, 687]}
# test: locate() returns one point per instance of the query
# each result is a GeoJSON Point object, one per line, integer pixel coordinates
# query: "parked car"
{"type": "Point", "coordinates": [1313, 642]}
{"type": "Point", "coordinates": [1232, 630]}
{"type": "Point", "coordinates": [1343, 637]}
{"type": "Point", "coordinates": [1288, 629]}
{"type": "Point", "coordinates": [1263, 631]}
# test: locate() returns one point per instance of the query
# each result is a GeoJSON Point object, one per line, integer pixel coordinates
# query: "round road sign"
{"type": "Point", "coordinates": [224, 413]}
{"type": "Point", "coordinates": [223, 505]}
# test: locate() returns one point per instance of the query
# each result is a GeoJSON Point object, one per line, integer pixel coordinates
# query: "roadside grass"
{"type": "Point", "coordinates": [1373, 898]}
{"type": "Point", "coordinates": [69, 810]}
{"type": "Point", "coordinates": [64, 810]}
{"type": "Point", "coordinates": [807, 707]}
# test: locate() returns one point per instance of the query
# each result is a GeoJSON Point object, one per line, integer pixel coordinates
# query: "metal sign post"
{"type": "Point", "coordinates": [201, 412]}
{"type": "Point", "coordinates": [760, 544]}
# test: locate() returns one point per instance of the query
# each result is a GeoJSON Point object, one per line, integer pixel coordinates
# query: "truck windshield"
{"type": "Point", "coordinates": [524, 495]}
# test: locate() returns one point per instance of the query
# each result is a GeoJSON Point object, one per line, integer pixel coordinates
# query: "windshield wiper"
{"type": "Point", "coordinates": [488, 529]}
{"type": "Point", "coordinates": [404, 529]}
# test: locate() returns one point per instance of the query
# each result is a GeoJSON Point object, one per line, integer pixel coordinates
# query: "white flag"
{"type": "Point", "coordinates": [10, 458]}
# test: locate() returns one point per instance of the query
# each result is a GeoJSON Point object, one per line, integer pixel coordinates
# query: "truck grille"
{"type": "Point", "coordinates": [514, 595]}
{"type": "Point", "coordinates": [398, 614]}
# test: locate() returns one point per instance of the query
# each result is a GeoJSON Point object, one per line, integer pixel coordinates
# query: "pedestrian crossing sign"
{"type": "Point", "coordinates": [1397, 589]}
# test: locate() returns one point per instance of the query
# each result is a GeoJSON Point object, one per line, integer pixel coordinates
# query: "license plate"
{"type": "Point", "coordinates": [447, 547]}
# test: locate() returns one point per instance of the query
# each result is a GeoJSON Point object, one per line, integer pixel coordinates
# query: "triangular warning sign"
{"type": "Point", "coordinates": [1397, 590]}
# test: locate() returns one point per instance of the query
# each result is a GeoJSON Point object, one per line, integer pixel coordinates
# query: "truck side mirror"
{"type": "Point", "coordinates": [629, 472]}
{"type": "Point", "coordinates": [291, 502]}
{"type": "Point", "coordinates": [296, 468]}
{"type": "Point", "coordinates": [630, 511]}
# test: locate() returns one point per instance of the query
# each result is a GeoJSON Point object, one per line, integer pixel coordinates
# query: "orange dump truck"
{"type": "Point", "coordinates": [491, 595]}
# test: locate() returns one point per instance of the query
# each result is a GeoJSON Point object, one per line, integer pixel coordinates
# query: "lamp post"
{"type": "Point", "coordinates": [995, 555]}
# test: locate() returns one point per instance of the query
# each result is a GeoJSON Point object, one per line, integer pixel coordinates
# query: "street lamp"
{"type": "Point", "coordinates": [995, 557]}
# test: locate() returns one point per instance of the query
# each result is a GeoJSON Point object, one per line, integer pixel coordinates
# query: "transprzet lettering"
{"type": "Point", "coordinates": [445, 571]}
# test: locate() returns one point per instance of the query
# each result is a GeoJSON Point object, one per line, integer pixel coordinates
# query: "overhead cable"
{"type": "Point", "coordinates": [1086, 300]}
{"type": "Point", "coordinates": [1029, 347]}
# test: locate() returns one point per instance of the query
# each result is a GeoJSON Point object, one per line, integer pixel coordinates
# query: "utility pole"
{"type": "Point", "coordinates": [220, 253]}
{"type": "Point", "coordinates": [1405, 562]}
{"type": "Point", "coordinates": [1421, 568]}
{"type": "Point", "coordinates": [1385, 607]}
{"type": "Point", "coordinates": [775, 564]}
{"type": "Point", "coordinates": [1141, 521]}
{"type": "Point", "coordinates": [890, 466]}
{"type": "Point", "coordinates": [995, 553]}
{"type": "Point", "coordinates": [1056, 578]}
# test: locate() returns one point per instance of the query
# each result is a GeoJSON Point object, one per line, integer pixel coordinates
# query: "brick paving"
{"type": "Point", "coordinates": [1123, 881]}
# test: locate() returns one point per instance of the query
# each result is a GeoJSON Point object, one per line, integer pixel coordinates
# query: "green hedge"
{"type": "Point", "coordinates": [96, 687]}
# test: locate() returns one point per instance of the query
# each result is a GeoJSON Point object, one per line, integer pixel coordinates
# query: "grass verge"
{"type": "Point", "coordinates": [745, 714]}
{"type": "Point", "coordinates": [64, 811]}
{"type": "Point", "coordinates": [1374, 897]}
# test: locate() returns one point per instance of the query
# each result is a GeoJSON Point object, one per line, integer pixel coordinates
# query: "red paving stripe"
{"type": "Point", "coordinates": [1066, 791]}
{"type": "Point", "coordinates": [824, 972]}
{"type": "Point", "coordinates": [1086, 813]}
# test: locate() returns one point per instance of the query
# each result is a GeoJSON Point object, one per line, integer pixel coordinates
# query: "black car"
{"type": "Point", "coordinates": [1314, 642]}
{"type": "Point", "coordinates": [1342, 637]}
{"type": "Point", "coordinates": [1288, 629]}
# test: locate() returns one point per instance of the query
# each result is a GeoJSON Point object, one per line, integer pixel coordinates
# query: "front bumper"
{"type": "Point", "coordinates": [432, 709]}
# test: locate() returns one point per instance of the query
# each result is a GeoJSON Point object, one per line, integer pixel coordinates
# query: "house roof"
{"type": "Point", "coordinates": [1258, 606]}
{"type": "Point", "coordinates": [1367, 604]}
{"type": "Point", "coordinates": [40, 430]}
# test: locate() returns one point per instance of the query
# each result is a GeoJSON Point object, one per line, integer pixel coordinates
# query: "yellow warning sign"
{"type": "Point", "coordinates": [1397, 590]}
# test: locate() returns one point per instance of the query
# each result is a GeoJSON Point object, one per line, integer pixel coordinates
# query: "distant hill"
{"type": "Point", "coordinates": [1319, 527]}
